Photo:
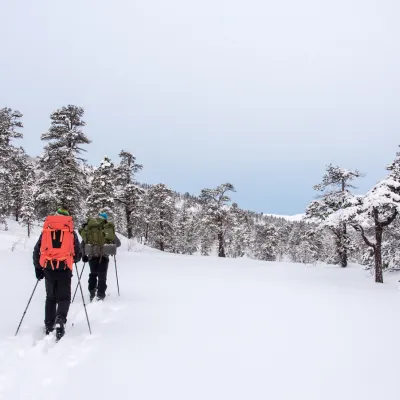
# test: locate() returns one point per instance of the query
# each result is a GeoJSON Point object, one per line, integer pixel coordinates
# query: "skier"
{"type": "Point", "coordinates": [99, 242]}
{"type": "Point", "coordinates": [53, 257]}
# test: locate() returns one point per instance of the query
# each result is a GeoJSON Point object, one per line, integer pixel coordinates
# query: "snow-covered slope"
{"type": "Point", "coordinates": [291, 218]}
{"type": "Point", "coordinates": [196, 328]}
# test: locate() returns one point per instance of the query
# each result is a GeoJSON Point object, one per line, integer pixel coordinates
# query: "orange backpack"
{"type": "Point", "coordinates": [57, 242]}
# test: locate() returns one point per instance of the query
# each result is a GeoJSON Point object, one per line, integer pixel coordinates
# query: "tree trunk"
{"type": "Point", "coordinates": [128, 223]}
{"type": "Point", "coordinates": [29, 229]}
{"type": "Point", "coordinates": [161, 231]}
{"type": "Point", "coordinates": [343, 254]}
{"type": "Point", "coordinates": [221, 248]}
{"type": "Point", "coordinates": [343, 258]}
{"type": "Point", "coordinates": [378, 251]}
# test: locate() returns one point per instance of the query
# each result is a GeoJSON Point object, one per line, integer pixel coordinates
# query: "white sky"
{"type": "Point", "coordinates": [262, 94]}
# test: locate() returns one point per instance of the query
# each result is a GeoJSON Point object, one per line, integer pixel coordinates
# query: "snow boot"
{"type": "Point", "coordinates": [60, 328]}
{"type": "Point", "coordinates": [92, 294]}
{"type": "Point", "coordinates": [100, 296]}
{"type": "Point", "coordinates": [48, 329]}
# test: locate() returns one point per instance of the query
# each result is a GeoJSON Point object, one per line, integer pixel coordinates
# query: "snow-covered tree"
{"type": "Point", "coordinates": [28, 201]}
{"type": "Point", "coordinates": [304, 243]}
{"type": "Point", "coordinates": [335, 185]}
{"type": "Point", "coordinates": [62, 175]}
{"type": "Point", "coordinates": [266, 242]}
{"type": "Point", "coordinates": [238, 232]}
{"type": "Point", "coordinates": [102, 191]}
{"type": "Point", "coordinates": [10, 156]}
{"type": "Point", "coordinates": [160, 209]}
{"type": "Point", "coordinates": [374, 212]}
{"type": "Point", "coordinates": [20, 167]}
{"type": "Point", "coordinates": [283, 233]}
{"type": "Point", "coordinates": [308, 248]}
{"type": "Point", "coordinates": [128, 193]}
{"type": "Point", "coordinates": [377, 210]}
{"type": "Point", "coordinates": [391, 246]}
{"type": "Point", "coordinates": [185, 230]}
{"type": "Point", "coordinates": [216, 212]}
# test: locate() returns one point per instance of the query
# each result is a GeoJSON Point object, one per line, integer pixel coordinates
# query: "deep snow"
{"type": "Point", "coordinates": [194, 328]}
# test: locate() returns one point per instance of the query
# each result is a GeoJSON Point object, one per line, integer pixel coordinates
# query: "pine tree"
{"type": "Point", "coordinates": [296, 232]}
{"type": "Point", "coordinates": [283, 233]}
{"type": "Point", "coordinates": [62, 177]}
{"type": "Point", "coordinates": [28, 201]}
{"type": "Point", "coordinates": [20, 167]}
{"type": "Point", "coordinates": [374, 212]}
{"type": "Point", "coordinates": [216, 212]}
{"type": "Point", "coordinates": [102, 195]}
{"type": "Point", "coordinates": [206, 235]}
{"type": "Point", "coordinates": [160, 216]}
{"type": "Point", "coordinates": [309, 247]}
{"type": "Point", "coordinates": [238, 232]}
{"type": "Point", "coordinates": [128, 193]}
{"type": "Point", "coordinates": [391, 246]}
{"type": "Point", "coordinates": [185, 230]}
{"type": "Point", "coordinates": [9, 158]}
{"type": "Point", "coordinates": [328, 252]}
{"type": "Point", "coordinates": [266, 242]}
{"type": "Point", "coordinates": [336, 185]}
{"type": "Point", "coordinates": [377, 210]}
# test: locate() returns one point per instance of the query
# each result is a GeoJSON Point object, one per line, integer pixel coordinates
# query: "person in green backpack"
{"type": "Point", "coordinates": [99, 242]}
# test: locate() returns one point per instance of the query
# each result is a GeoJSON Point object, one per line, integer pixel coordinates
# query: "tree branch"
{"type": "Point", "coordinates": [360, 229]}
{"type": "Point", "coordinates": [335, 231]}
{"type": "Point", "coordinates": [389, 220]}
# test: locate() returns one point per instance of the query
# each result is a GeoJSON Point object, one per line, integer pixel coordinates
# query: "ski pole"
{"type": "Point", "coordinates": [79, 278]}
{"type": "Point", "coordinates": [116, 272]}
{"type": "Point", "coordinates": [83, 298]}
{"type": "Point", "coordinates": [29, 302]}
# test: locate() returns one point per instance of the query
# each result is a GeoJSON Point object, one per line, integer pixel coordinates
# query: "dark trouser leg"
{"type": "Point", "coordinates": [93, 265]}
{"type": "Point", "coordinates": [63, 293]}
{"type": "Point", "coordinates": [50, 306]}
{"type": "Point", "coordinates": [102, 274]}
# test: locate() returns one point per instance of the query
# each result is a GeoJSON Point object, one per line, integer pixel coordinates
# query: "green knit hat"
{"type": "Point", "coordinates": [63, 211]}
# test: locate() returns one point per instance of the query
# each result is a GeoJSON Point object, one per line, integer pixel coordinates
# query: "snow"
{"type": "Point", "coordinates": [291, 218]}
{"type": "Point", "coordinates": [188, 327]}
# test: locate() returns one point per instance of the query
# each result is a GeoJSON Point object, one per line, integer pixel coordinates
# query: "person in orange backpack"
{"type": "Point", "coordinates": [56, 251]}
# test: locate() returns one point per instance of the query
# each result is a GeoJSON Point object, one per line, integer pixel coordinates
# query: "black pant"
{"type": "Point", "coordinates": [58, 295]}
{"type": "Point", "coordinates": [98, 275]}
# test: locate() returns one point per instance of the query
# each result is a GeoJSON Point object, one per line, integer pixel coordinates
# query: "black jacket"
{"type": "Point", "coordinates": [36, 251]}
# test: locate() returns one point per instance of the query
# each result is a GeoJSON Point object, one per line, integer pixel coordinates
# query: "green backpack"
{"type": "Point", "coordinates": [98, 231]}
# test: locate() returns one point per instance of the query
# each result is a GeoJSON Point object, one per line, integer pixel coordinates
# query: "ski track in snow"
{"type": "Point", "coordinates": [42, 362]}
{"type": "Point", "coordinates": [195, 328]}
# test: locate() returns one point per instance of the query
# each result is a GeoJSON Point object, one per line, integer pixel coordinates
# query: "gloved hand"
{"type": "Point", "coordinates": [39, 273]}
{"type": "Point", "coordinates": [77, 259]}
{"type": "Point", "coordinates": [85, 258]}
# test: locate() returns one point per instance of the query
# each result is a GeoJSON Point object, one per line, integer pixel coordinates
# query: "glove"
{"type": "Point", "coordinates": [39, 274]}
{"type": "Point", "coordinates": [85, 259]}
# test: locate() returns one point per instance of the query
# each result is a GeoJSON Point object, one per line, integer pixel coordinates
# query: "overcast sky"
{"type": "Point", "coordinates": [259, 93]}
